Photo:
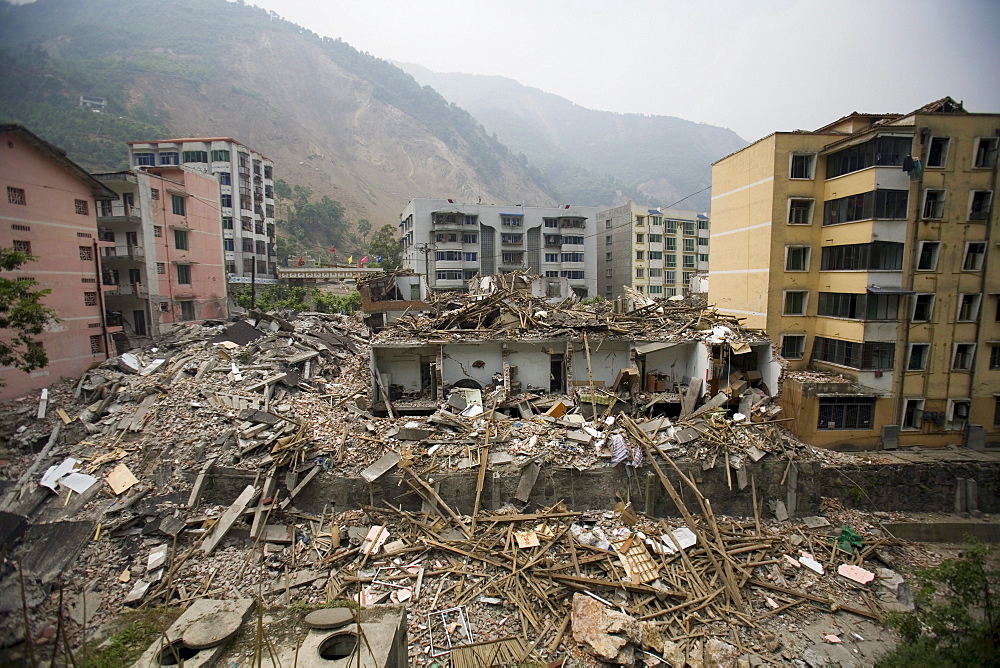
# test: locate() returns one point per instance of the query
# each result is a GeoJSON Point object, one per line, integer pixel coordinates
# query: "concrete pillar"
{"type": "Point", "coordinates": [972, 496]}
{"type": "Point", "coordinates": [961, 500]}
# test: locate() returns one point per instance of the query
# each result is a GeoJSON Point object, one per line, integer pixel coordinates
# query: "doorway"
{"type": "Point", "coordinates": [557, 374]}
{"type": "Point", "coordinates": [139, 320]}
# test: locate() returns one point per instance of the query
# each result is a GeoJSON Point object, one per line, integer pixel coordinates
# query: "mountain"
{"type": "Point", "coordinates": [344, 123]}
{"type": "Point", "coordinates": [587, 154]}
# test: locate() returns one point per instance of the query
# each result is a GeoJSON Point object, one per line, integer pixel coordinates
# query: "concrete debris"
{"type": "Point", "coordinates": [298, 458]}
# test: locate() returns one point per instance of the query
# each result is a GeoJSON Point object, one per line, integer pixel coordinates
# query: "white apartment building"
{"type": "Point", "coordinates": [246, 195]}
{"type": "Point", "coordinates": [450, 242]}
{"type": "Point", "coordinates": [655, 251]}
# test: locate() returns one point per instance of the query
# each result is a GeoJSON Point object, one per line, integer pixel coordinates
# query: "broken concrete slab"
{"type": "Point", "coordinates": [228, 518]}
{"type": "Point", "coordinates": [381, 466]}
{"type": "Point", "coordinates": [50, 548]}
{"type": "Point", "coordinates": [529, 474]}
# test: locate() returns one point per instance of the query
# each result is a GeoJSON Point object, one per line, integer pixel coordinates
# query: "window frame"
{"type": "Point", "coordinates": [181, 236]}
{"type": "Point", "coordinates": [792, 155]}
{"type": "Point", "coordinates": [177, 205]}
{"type": "Point", "coordinates": [938, 204]}
{"type": "Point", "coordinates": [930, 307]}
{"type": "Point", "coordinates": [944, 153]}
{"type": "Point", "coordinates": [977, 301]}
{"type": "Point", "coordinates": [990, 155]}
{"type": "Point", "coordinates": [967, 255]}
{"type": "Point", "coordinates": [810, 210]}
{"type": "Point", "coordinates": [994, 356]}
{"type": "Point", "coordinates": [788, 254]}
{"type": "Point", "coordinates": [802, 351]}
{"type": "Point", "coordinates": [925, 357]}
{"type": "Point", "coordinates": [983, 215]}
{"type": "Point", "coordinates": [920, 251]}
{"type": "Point", "coordinates": [971, 354]}
{"type": "Point", "coordinates": [918, 412]}
{"type": "Point", "coordinates": [855, 401]}
{"type": "Point", "coordinates": [183, 274]}
{"type": "Point", "coordinates": [784, 302]}
{"type": "Point", "coordinates": [951, 424]}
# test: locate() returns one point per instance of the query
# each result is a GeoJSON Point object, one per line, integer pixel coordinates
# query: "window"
{"type": "Point", "coordinates": [995, 356]}
{"type": "Point", "coordinates": [471, 257]}
{"type": "Point", "coordinates": [702, 224]}
{"type": "Point", "coordinates": [917, 360]}
{"type": "Point", "coordinates": [927, 255]}
{"type": "Point", "coordinates": [979, 204]}
{"type": "Point", "coordinates": [184, 274]}
{"type": "Point", "coordinates": [181, 239]}
{"type": "Point", "coordinates": [157, 231]}
{"type": "Point", "coordinates": [795, 302]}
{"type": "Point", "coordinates": [27, 228]}
{"type": "Point", "coordinates": [177, 205]}
{"type": "Point", "coordinates": [227, 222]}
{"type": "Point", "coordinates": [246, 223]}
{"type": "Point", "coordinates": [570, 257]}
{"type": "Point", "coordinates": [962, 356]}
{"type": "Point", "coordinates": [90, 299]}
{"type": "Point", "coordinates": [802, 165]}
{"type": "Point", "coordinates": [95, 344]}
{"type": "Point", "coordinates": [655, 238]}
{"type": "Point", "coordinates": [702, 257]}
{"type": "Point", "coordinates": [80, 206]}
{"type": "Point", "coordinates": [640, 221]}
{"type": "Point", "coordinates": [800, 211]}
{"type": "Point", "coordinates": [658, 255]}
{"type": "Point", "coordinates": [247, 245]}
{"type": "Point", "coordinates": [864, 356]}
{"type": "Point", "coordinates": [226, 201]}
{"type": "Point", "coordinates": [86, 253]}
{"type": "Point", "coordinates": [670, 261]}
{"type": "Point", "coordinates": [875, 204]}
{"type": "Point", "coordinates": [607, 257]}
{"type": "Point", "coordinates": [688, 245]}
{"type": "Point", "coordinates": [228, 244]}
{"type": "Point", "coordinates": [688, 261]}
{"type": "Point", "coordinates": [656, 272]}
{"type": "Point", "coordinates": [996, 412]}
{"type": "Point", "coordinates": [639, 238]}
{"type": "Point", "coordinates": [656, 220]}
{"type": "Point", "coordinates": [144, 159]}
{"type": "Point", "coordinates": [689, 228]}
{"type": "Point", "coordinates": [268, 171]}
{"type": "Point", "coordinates": [607, 224]}
{"type": "Point", "coordinates": [21, 246]}
{"type": "Point", "coordinates": [846, 412]}
{"type": "Point", "coordinates": [875, 256]}
{"type": "Point", "coordinates": [639, 255]}
{"type": "Point", "coordinates": [225, 179]}
{"type": "Point", "coordinates": [169, 158]}
{"type": "Point", "coordinates": [656, 289]}
{"type": "Point", "coordinates": [797, 258]}
{"type": "Point", "coordinates": [510, 221]}
{"type": "Point", "coordinates": [968, 307]}
{"type": "Point", "coordinates": [913, 413]}
{"type": "Point", "coordinates": [608, 272]}
{"type": "Point", "coordinates": [975, 253]}
{"type": "Point", "coordinates": [552, 257]}
{"type": "Point", "coordinates": [258, 228]}
{"type": "Point", "coordinates": [15, 196]}
{"type": "Point", "coordinates": [220, 156]}
{"type": "Point", "coordinates": [187, 310]}
{"type": "Point", "coordinates": [923, 307]}
{"type": "Point", "coordinates": [550, 222]}
{"type": "Point", "coordinates": [958, 413]}
{"type": "Point", "coordinates": [573, 241]}
{"type": "Point", "coordinates": [260, 247]}
{"type": "Point", "coordinates": [607, 240]}
{"type": "Point", "coordinates": [161, 268]}
{"type": "Point", "coordinates": [793, 346]}
{"type": "Point", "coordinates": [640, 272]}
{"type": "Point", "coordinates": [672, 243]}
{"type": "Point", "coordinates": [670, 227]}
{"type": "Point", "coordinates": [985, 155]}
{"type": "Point", "coordinates": [937, 155]}
{"type": "Point", "coordinates": [686, 277]}
{"type": "Point", "coordinates": [470, 238]}
{"type": "Point", "coordinates": [154, 193]}
{"type": "Point", "coordinates": [933, 204]}
{"type": "Point", "coordinates": [195, 156]}
{"type": "Point", "coordinates": [885, 151]}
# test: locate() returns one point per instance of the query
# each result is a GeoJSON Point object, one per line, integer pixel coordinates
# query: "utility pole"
{"type": "Point", "coordinates": [426, 250]}
{"type": "Point", "coordinates": [253, 284]}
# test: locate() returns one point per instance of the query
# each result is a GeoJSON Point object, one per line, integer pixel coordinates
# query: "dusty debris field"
{"type": "Point", "coordinates": [103, 511]}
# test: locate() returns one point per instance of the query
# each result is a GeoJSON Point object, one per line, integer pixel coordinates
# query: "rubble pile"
{"type": "Point", "coordinates": [109, 474]}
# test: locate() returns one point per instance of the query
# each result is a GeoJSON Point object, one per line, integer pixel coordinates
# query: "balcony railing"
{"type": "Point", "coordinates": [124, 253]}
{"type": "Point", "coordinates": [128, 290]}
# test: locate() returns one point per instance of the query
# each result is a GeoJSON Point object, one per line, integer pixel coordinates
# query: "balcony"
{"type": "Point", "coordinates": [118, 213]}
{"type": "Point", "coordinates": [128, 253]}
{"type": "Point", "coordinates": [137, 290]}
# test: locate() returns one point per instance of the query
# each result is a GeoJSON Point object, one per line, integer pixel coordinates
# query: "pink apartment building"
{"type": "Point", "coordinates": [49, 210]}
{"type": "Point", "coordinates": [164, 261]}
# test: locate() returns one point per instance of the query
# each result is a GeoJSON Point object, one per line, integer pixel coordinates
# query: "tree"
{"type": "Point", "coordinates": [364, 227]}
{"type": "Point", "coordinates": [956, 621]}
{"type": "Point", "coordinates": [22, 315]}
{"type": "Point", "coordinates": [384, 244]}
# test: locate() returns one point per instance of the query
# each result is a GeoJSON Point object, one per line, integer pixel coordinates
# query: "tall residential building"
{"type": "Point", "coordinates": [246, 195]}
{"type": "Point", "coordinates": [655, 251]}
{"type": "Point", "coordinates": [450, 242]}
{"type": "Point", "coordinates": [868, 249]}
{"type": "Point", "coordinates": [164, 260]}
{"type": "Point", "coordinates": [48, 210]}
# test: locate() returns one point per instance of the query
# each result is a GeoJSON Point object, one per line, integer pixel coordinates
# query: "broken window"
{"type": "Point", "coordinates": [968, 307]}
{"type": "Point", "coordinates": [962, 356]}
{"type": "Point", "coordinates": [913, 414]}
{"type": "Point", "coordinates": [985, 155]}
{"type": "Point", "coordinates": [979, 205]}
{"type": "Point", "coordinates": [937, 155]}
{"type": "Point", "coordinates": [923, 307]}
{"type": "Point", "coordinates": [846, 412]}
{"type": "Point", "coordinates": [933, 204]}
{"type": "Point", "coordinates": [919, 353]}
{"type": "Point", "coordinates": [975, 253]}
{"type": "Point", "coordinates": [793, 346]}
{"type": "Point", "coordinates": [958, 413]}
{"type": "Point", "coordinates": [927, 255]}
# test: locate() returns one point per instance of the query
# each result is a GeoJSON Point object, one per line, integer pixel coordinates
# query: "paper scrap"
{"type": "Point", "coordinates": [120, 479]}
{"type": "Point", "coordinates": [526, 538]}
{"type": "Point", "coordinates": [78, 482]}
{"type": "Point", "coordinates": [56, 472]}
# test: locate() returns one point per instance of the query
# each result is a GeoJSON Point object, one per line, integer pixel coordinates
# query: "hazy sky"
{"type": "Point", "coordinates": [755, 67]}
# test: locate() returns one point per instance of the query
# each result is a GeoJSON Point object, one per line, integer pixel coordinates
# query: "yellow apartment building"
{"type": "Point", "coordinates": [867, 249]}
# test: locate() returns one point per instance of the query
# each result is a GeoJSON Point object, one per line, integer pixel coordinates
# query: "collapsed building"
{"type": "Point", "coordinates": [577, 496]}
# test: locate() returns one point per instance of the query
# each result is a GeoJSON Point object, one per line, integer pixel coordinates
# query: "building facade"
{"type": "Point", "coordinates": [867, 250]}
{"type": "Point", "coordinates": [655, 251]}
{"type": "Point", "coordinates": [245, 195]}
{"type": "Point", "coordinates": [163, 263]}
{"type": "Point", "coordinates": [48, 210]}
{"type": "Point", "coordinates": [451, 242]}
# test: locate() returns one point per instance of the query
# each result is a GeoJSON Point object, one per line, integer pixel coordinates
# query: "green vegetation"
{"type": "Point", "coordinates": [22, 315]}
{"type": "Point", "coordinates": [296, 298]}
{"type": "Point", "coordinates": [137, 630]}
{"type": "Point", "coordinates": [308, 227]}
{"type": "Point", "coordinates": [957, 620]}
{"type": "Point", "coordinates": [385, 245]}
